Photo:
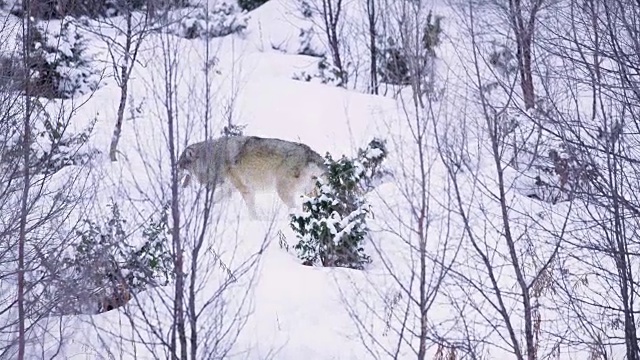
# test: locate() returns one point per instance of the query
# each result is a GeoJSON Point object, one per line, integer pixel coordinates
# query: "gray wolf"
{"type": "Point", "coordinates": [252, 164]}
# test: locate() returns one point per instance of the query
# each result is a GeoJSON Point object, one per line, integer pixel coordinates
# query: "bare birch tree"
{"type": "Point", "coordinates": [124, 35]}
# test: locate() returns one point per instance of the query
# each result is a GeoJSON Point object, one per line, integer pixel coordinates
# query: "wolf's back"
{"type": "Point", "coordinates": [286, 151]}
{"type": "Point", "coordinates": [256, 161]}
{"type": "Point", "coordinates": [262, 162]}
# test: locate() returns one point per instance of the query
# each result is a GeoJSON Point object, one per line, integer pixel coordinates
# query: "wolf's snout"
{"type": "Point", "coordinates": [183, 163]}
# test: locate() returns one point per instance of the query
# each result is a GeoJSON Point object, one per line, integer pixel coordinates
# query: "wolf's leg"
{"type": "Point", "coordinates": [250, 200]}
{"type": "Point", "coordinates": [223, 191]}
{"type": "Point", "coordinates": [226, 190]}
{"type": "Point", "coordinates": [247, 195]}
{"type": "Point", "coordinates": [286, 191]}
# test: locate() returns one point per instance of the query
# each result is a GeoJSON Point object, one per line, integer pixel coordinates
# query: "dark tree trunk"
{"type": "Point", "coordinates": [371, 12]}
{"type": "Point", "coordinates": [524, 30]}
{"type": "Point", "coordinates": [331, 16]}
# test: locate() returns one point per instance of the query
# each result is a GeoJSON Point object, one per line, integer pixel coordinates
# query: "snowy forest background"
{"type": "Point", "coordinates": [482, 204]}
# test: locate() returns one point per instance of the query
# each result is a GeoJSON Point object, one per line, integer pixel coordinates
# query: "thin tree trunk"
{"type": "Point", "coordinates": [371, 12]}
{"type": "Point", "coordinates": [524, 40]}
{"type": "Point", "coordinates": [125, 71]}
{"type": "Point", "coordinates": [331, 19]}
{"type": "Point", "coordinates": [510, 241]}
{"type": "Point", "coordinates": [193, 316]}
{"type": "Point", "coordinates": [117, 131]}
{"type": "Point", "coordinates": [178, 326]}
{"type": "Point", "coordinates": [175, 234]}
{"type": "Point", "coordinates": [23, 229]}
{"type": "Point", "coordinates": [491, 127]}
{"type": "Point", "coordinates": [620, 252]}
{"type": "Point", "coordinates": [26, 146]}
{"type": "Point", "coordinates": [194, 269]}
{"type": "Point", "coordinates": [422, 225]}
{"type": "Point", "coordinates": [177, 241]}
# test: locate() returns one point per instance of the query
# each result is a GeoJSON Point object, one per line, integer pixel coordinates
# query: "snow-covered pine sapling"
{"type": "Point", "coordinates": [225, 18]}
{"type": "Point", "coordinates": [62, 69]}
{"type": "Point", "coordinates": [332, 226]}
{"type": "Point", "coordinates": [372, 157]}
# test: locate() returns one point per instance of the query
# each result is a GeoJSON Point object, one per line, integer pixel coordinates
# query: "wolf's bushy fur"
{"type": "Point", "coordinates": [252, 164]}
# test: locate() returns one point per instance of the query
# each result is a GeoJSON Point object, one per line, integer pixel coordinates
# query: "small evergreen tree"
{"type": "Point", "coordinates": [333, 224]}
{"type": "Point", "coordinates": [224, 18]}
{"type": "Point", "coordinates": [61, 68]}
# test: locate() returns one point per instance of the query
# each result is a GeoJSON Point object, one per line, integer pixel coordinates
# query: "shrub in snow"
{"type": "Point", "coordinates": [372, 171]}
{"type": "Point", "coordinates": [12, 72]}
{"type": "Point", "coordinates": [560, 176]}
{"type": "Point", "coordinates": [554, 170]}
{"type": "Point", "coordinates": [104, 267]}
{"type": "Point", "coordinates": [393, 68]}
{"type": "Point", "coordinates": [551, 169]}
{"type": "Point", "coordinates": [327, 73]}
{"type": "Point", "coordinates": [60, 68]}
{"type": "Point", "coordinates": [394, 58]}
{"type": "Point", "coordinates": [502, 59]}
{"type": "Point", "coordinates": [249, 5]}
{"type": "Point", "coordinates": [305, 8]}
{"type": "Point", "coordinates": [47, 9]}
{"type": "Point", "coordinates": [310, 43]}
{"type": "Point", "coordinates": [224, 19]}
{"type": "Point", "coordinates": [333, 224]}
{"type": "Point", "coordinates": [233, 130]}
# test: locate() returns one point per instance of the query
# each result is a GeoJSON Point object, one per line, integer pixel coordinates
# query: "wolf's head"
{"type": "Point", "coordinates": [187, 158]}
{"type": "Point", "coordinates": [185, 163]}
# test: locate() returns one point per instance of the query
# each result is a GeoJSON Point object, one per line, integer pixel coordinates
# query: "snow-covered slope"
{"type": "Point", "coordinates": [275, 307]}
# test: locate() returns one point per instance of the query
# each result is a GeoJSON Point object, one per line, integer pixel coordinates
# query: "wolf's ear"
{"type": "Point", "coordinates": [189, 153]}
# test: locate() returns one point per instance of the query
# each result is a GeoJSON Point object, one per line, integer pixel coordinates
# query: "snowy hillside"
{"type": "Point", "coordinates": [492, 234]}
